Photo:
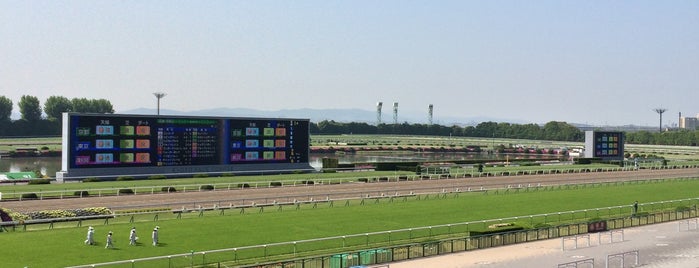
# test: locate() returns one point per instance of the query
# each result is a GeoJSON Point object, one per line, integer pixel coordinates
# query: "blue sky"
{"type": "Point", "coordinates": [595, 62]}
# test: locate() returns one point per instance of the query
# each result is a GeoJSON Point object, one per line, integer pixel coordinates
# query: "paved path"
{"type": "Point", "coordinates": [666, 245]}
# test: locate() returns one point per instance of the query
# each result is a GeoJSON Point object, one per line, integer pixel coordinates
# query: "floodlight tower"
{"type": "Point", "coordinates": [159, 95]}
{"type": "Point", "coordinates": [395, 113]}
{"type": "Point", "coordinates": [430, 110]}
{"type": "Point", "coordinates": [660, 111]}
{"type": "Point", "coordinates": [379, 105]}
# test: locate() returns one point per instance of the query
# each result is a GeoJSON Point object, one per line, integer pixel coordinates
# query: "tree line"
{"type": "Point", "coordinates": [682, 137]}
{"type": "Point", "coordinates": [554, 131]}
{"type": "Point", "coordinates": [33, 123]}
{"type": "Point", "coordinates": [559, 131]}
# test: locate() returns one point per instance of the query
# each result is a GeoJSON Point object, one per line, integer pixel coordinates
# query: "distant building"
{"type": "Point", "coordinates": [689, 122]}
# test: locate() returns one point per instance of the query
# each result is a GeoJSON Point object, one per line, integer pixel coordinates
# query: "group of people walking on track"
{"type": "Point", "coordinates": [133, 238]}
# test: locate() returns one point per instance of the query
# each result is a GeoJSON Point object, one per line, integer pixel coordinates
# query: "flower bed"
{"type": "Point", "coordinates": [8, 215]}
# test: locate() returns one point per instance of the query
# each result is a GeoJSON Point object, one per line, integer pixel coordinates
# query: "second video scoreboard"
{"type": "Point", "coordinates": [606, 145]}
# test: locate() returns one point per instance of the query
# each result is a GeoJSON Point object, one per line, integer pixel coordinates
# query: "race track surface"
{"type": "Point", "coordinates": [354, 190]}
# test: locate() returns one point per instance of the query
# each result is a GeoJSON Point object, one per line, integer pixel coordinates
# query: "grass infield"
{"type": "Point", "coordinates": [64, 246]}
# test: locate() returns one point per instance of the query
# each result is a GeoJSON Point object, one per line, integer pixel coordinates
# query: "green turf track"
{"type": "Point", "coordinates": [60, 247]}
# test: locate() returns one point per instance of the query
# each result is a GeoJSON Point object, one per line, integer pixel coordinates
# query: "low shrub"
{"type": "Point", "coordinates": [157, 177]}
{"type": "Point", "coordinates": [60, 213]}
{"type": "Point", "coordinates": [641, 214]}
{"type": "Point", "coordinates": [308, 182]}
{"type": "Point", "coordinates": [201, 175]}
{"type": "Point", "coordinates": [30, 196]}
{"type": "Point", "coordinates": [243, 185]}
{"type": "Point", "coordinates": [680, 209]}
{"type": "Point", "coordinates": [142, 210]}
{"type": "Point", "coordinates": [51, 214]}
{"type": "Point", "coordinates": [168, 189]}
{"type": "Point", "coordinates": [275, 184]}
{"type": "Point", "coordinates": [124, 178]}
{"type": "Point", "coordinates": [92, 179]}
{"type": "Point", "coordinates": [93, 211]}
{"type": "Point", "coordinates": [206, 187]}
{"type": "Point", "coordinates": [126, 191]}
{"type": "Point", "coordinates": [81, 193]}
{"type": "Point", "coordinates": [39, 181]}
{"type": "Point", "coordinates": [363, 180]}
{"type": "Point", "coordinates": [542, 225]}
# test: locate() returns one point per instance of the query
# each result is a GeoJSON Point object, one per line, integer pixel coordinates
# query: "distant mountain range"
{"type": "Point", "coordinates": [357, 115]}
{"type": "Point", "coordinates": [317, 115]}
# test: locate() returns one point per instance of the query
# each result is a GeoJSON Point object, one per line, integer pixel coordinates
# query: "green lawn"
{"type": "Point", "coordinates": [63, 246]}
{"type": "Point", "coordinates": [55, 189]}
{"type": "Point", "coordinates": [193, 184]}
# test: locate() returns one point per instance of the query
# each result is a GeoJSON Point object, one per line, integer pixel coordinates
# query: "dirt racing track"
{"type": "Point", "coordinates": [305, 193]}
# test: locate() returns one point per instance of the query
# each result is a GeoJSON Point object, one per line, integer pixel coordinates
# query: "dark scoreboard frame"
{"type": "Point", "coordinates": [120, 144]}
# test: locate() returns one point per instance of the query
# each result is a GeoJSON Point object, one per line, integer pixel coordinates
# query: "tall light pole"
{"type": "Point", "coordinates": [159, 95]}
{"type": "Point", "coordinates": [660, 111]}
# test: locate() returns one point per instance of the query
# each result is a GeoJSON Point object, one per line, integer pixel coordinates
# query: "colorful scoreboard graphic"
{"type": "Point", "coordinates": [268, 141]}
{"type": "Point", "coordinates": [109, 141]}
{"type": "Point", "coordinates": [607, 145]}
{"type": "Point", "coordinates": [116, 141]}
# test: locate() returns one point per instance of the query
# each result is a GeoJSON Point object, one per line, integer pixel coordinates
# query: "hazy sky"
{"type": "Point", "coordinates": [596, 62]}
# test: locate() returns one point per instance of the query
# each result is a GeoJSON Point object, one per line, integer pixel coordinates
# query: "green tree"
{"type": "Point", "coordinates": [55, 106]}
{"type": "Point", "coordinates": [102, 106]}
{"type": "Point", "coordinates": [5, 108]}
{"type": "Point", "coordinates": [83, 105]}
{"type": "Point", "coordinates": [30, 108]}
{"type": "Point", "coordinates": [486, 129]}
{"type": "Point", "coordinates": [561, 131]}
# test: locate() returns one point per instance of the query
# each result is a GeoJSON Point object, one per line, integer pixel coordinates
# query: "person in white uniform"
{"type": "Point", "coordinates": [132, 236]}
{"type": "Point", "coordinates": [109, 240]}
{"type": "Point", "coordinates": [154, 236]}
{"type": "Point", "coordinates": [90, 236]}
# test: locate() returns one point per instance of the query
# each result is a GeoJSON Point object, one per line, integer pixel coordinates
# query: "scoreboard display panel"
{"type": "Point", "coordinates": [267, 141]}
{"type": "Point", "coordinates": [125, 142]}
{"type": "Point", "coordinates": [607, 145]}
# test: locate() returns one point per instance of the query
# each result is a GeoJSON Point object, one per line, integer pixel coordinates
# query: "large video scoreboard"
{"type": "Point", "coordinates": [606, 145]}
{"type": "Point", "coordinates": [110, 144]}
